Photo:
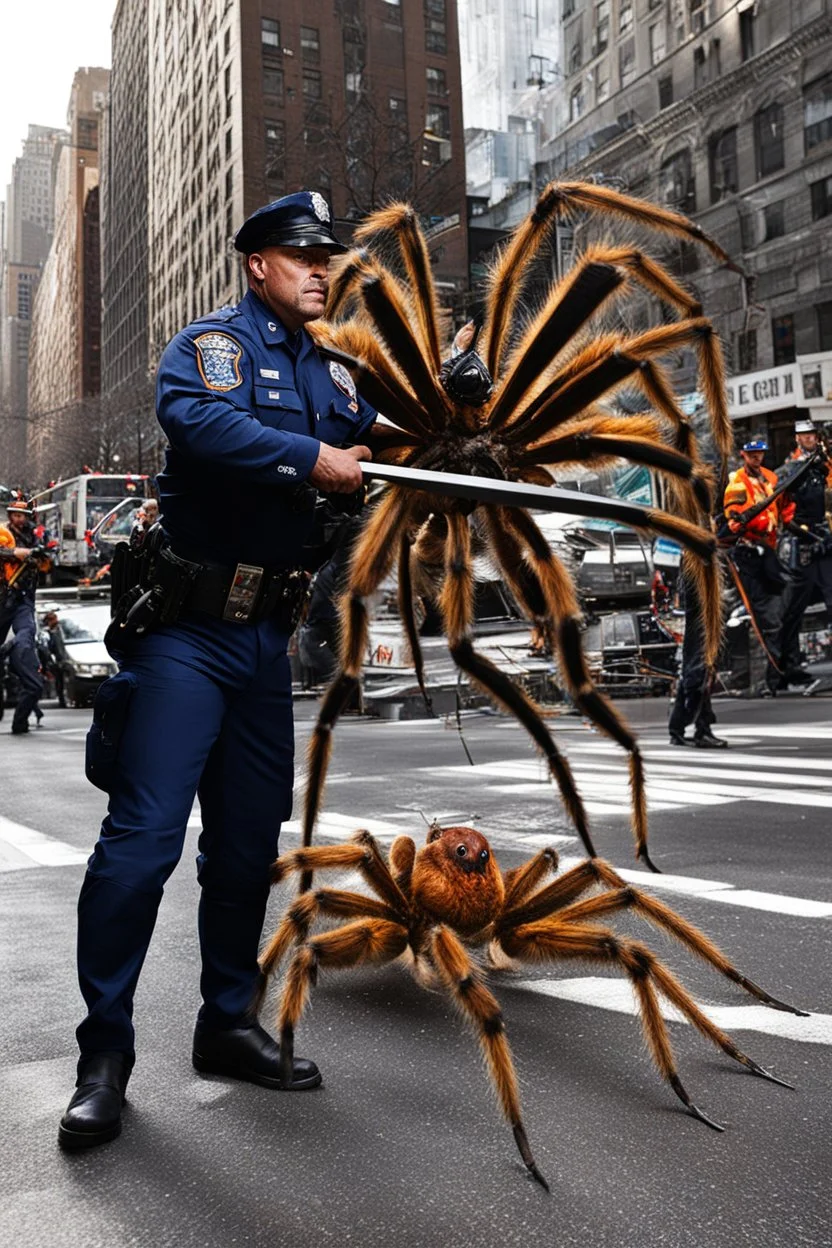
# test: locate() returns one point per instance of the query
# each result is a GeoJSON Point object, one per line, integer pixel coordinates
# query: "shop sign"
{"type": "Point", "coordinates": [815, 379]}
{"type": "Point", "coordinates": [766, 391]}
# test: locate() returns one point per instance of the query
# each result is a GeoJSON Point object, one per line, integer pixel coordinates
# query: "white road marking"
{"type": "Point", "coordinates": [617, 995]}
{"type": "Point", "coordinates": [715, 890]}
{"type": "Point", "coordinates": [23, 848]}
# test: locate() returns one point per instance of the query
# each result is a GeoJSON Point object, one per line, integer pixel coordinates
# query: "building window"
{"type": "Point", "coordinates": [821, 193]}
{"type": "Point", "coordinates": [438, 120]}
{"type": "Point", "coordinates": [625, 17]}
{"type": "Point", "coordinates": [824, 315]}
{"type": "Point", "coordinates": [436, 80]}
{"type": "Point", "coordinates": [627, 61]}
{"type": "Point", "coordinates": [676, 182]}
{"type": "Point", "coordinates": [722, 164]}
{"type": "Point", "coordinates": [435, 28]}
{"type": "Point", "coordinates": [768, 140]}
{"type": "Point", "coordinates": [310, 45]}
{"type": "Point", "coordinates": [747, 33]}
{"type": "Point", "coordinates": [576, 52]}
{"type": "Point", "coordinates": [602, 27]}
{"type": "Point", "coordinates": [269, 33]}
{"type": "Point", "coordinates": [275, 152]}
{"type": "Point", "coordinates": [273, 82]}
{"type": "Point", "coordinates": [657, 43]}
{"type": "Point", "coordinates": [576, 103]}
{"type": "Point", "coordinates": [747, 351]}
{"type": "Point", "coordinates": [700, 68]}
{"type": "Point", "coordinates": [817, 112]}
{"type": "Point", "coordinates": [774, 221]}
{"type": "Point", "coordinates": [602, 82]}
{"type": "Point", "coordinates": [665, 91]}
{"type": "Point", "coordinates": [229, 183]}
{"type": "Point", "coordinates": [568, 8]}
{"type": "Point", "coordinates": [782, 333]}
{"type": "Point", "coordinates": [697, 15]}
{"type": "Point", "coordinates": [311, 84]}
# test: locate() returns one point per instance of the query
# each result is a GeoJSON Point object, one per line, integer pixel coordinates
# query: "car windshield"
{"type": "Point", "coordinates": [84, 623]}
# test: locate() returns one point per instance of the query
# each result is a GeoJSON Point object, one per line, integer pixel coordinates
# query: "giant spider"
{"type": "Point", "coordinates": [541, 410]}
{"type": "Point", "coordinates": [437, 902]}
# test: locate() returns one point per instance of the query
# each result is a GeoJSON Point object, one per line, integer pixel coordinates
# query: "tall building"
{"type": "Point", "coordinates": [126, 384]}
{"type": "Point", "coordinates": [248, 101]}
{"type": "Point", "coordinates": [65, 355]}
{"type": "Point", "coordinates": [506, 48]}
{"type": "Point", "coordinates": [28, 222]}
{"type": "Point", "coordinates": [722, 110]}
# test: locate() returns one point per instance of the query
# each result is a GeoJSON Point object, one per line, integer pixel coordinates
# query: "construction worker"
{"type": "Point", "coordinates": [753, 559]}
{"type": "Point", "coordinates": [20, 562]}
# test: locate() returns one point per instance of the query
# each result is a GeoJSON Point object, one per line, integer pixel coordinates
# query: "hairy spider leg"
{"type": "Point", "coordinates": [482, 1009]}
{"type": "Point", "coordinates": [570, 305]}
{"type": "Point", "coordinates": [553, 939]}
{"type": "Point", "coordinates": [378, 381]}
{"type": "Point", "coordinates": [363, 941]}
{"type": "Point", "coordinates": [456, 601]}
{"type": "Point", "coordinates": [513, 533]}
{"type": "Point", "coordinates": [520, 881]}
{"type": "Point", "coordinates": [402, 223]}
{"type": "Point", "coordinates": [371, 559]}
{"type": "Point", "coordinates": [595, 872]}
{"type": "Point", "coordinates": [408, 615]}
{"type": "Point", "coordinates": [386, 306]}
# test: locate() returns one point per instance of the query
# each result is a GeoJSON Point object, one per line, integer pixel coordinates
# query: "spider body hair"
{"type": "Point", "coordinates": [433, 906]}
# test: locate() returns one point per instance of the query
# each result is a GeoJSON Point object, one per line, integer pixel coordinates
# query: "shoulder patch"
{"type": "Point", "coordinates": [218, 358]}
{"type": "Point", "coordinates": [342, 379]}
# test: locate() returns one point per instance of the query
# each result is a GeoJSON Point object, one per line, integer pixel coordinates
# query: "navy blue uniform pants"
{"type": "Point", "coordinates": [208, 709]}
{"type": "Point", "coordinates": [18, 614]}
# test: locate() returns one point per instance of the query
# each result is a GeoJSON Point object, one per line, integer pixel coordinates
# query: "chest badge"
{"type": "Point", "coordinates": [218, 358]}
{"type": "Point", "coordinates": [344, 382]}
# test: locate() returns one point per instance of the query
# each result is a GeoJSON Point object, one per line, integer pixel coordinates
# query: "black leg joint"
{"type": "Point", "coordinates": [493, 1025]}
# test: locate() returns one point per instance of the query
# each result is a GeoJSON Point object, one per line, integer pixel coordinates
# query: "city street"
{"type": "Point", "coordinates": [404, 1143]}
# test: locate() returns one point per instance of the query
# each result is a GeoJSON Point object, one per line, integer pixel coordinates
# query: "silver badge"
{"type": "Point", "coordinates": [342, 378]}
{"type": "Point", "coordinates": [218, 358]}
{"type": "Point", "coordinates": [319, 206]}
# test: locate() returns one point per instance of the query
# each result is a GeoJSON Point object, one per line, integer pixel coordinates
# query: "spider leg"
{"type": "Point", "coordinates": [624, 896]}
{"type": "Point", "coordinates": [370, 563]}
{"type": "Point", "coordinates": [456, 605]}
{"type": "Point", "coordinates": [387, 308]}
{"type": "Point", "coordinates": [364, 941]}
{"type": "Point", "coordinates": [377, 378]}
{"type": "Point", "coordinates": [520, 881]}
{"type": "Point", "coordinates": [553, 939]}
{"type": "Point", "coordinates": [362, 854]}
{"type": "Point", "coordinates": [511, 532]}
{"type": "Point", "coordinates": [297, 922]}
{"type": "Point", "coordinates": [406, 611]}
{"type": "Point", "coordinates": [482, 1009]}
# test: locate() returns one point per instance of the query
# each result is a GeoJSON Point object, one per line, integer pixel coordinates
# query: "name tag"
{"type": "Point", "coordinates": [274, 394]}
{"type": "Point", "coordinates": [271, 374]}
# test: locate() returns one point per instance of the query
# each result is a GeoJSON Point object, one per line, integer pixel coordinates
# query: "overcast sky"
{"type": "Point", "coordinates": [44, 42]}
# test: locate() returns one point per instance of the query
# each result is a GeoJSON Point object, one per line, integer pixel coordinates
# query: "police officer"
{"type": "Point", "coordinates": [19, 568]}
{"type": "Point", "coordinates": [806, 547]}
{"type": "Point", "coordinates": [254, 412]}
{"type": "Point", "coordinates": [753, 558]}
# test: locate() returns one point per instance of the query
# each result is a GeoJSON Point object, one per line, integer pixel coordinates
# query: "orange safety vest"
{"type": "Point", "coordinates": [744, 491]}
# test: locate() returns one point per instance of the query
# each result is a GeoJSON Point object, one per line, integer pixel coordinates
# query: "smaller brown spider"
{"type": "Point", "coordinates": [436, 903]}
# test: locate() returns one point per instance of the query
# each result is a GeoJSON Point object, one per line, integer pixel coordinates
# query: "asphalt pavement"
{"type": "Point", "coordinates": [404, 1143]}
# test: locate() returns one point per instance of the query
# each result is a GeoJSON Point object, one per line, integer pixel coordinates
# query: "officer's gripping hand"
{"type": "Point", "coordinates": [336, 471]}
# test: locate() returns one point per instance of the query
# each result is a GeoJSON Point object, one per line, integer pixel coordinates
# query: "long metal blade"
{"type": "Point", "coordinates": [508, 493]}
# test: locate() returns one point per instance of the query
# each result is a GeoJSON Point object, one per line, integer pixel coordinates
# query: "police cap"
{"type": "Point", "coordinates": [300, 220]}
{"type": "Point", "coordinates": [804, 426]}
{"type": "Point", "coordinates": [755, 444]}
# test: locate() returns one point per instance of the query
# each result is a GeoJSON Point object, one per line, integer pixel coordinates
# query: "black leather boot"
{"type": "Point", "coordinates": [707, 741]}
{"type": "Point", "coordinates": [248, 1053]}
{"type": "Point", "coordinates": [93, 1116]}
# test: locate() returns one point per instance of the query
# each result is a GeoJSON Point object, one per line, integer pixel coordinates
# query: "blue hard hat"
{"type": "Point", "coordinates": [300, 220]}
{"type": "Point", "coordinates": [756, 444]}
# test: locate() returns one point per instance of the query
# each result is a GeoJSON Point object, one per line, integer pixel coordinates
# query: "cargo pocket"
{"type": "Point", "coordinates": [108, 719]}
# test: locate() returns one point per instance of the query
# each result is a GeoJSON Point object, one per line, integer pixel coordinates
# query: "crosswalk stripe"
{"type": "Point", "coordinates": [617, 995]}
{"type": "Point", "coordinates": [23, 848]}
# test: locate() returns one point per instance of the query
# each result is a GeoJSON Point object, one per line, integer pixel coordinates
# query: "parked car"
{"type": "Point", "coordinates": [82, 655]}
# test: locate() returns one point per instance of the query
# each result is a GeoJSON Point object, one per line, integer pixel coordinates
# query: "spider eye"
{"type": "Point", "coordinates": [461, 851]}
{"type": "Point", "coordinates": [483, 855]}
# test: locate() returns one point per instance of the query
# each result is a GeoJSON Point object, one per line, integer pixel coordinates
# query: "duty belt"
{"type": "Point", "coordinates": [248, 593]}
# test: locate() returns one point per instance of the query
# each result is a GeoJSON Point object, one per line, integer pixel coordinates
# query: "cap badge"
{"type": "Point", "coordinates": [218, 357]}
{"type": "Point", "coordinates": [319, 206]}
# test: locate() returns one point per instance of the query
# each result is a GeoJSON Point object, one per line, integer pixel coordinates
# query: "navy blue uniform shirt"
{"type": "Point", "coordinates": [244, 404]}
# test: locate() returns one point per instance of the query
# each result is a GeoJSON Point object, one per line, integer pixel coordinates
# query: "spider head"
{"type": "Point", "coordinates": [464, 376]}
{"type": "Point", "coordinates": [456, 879]}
